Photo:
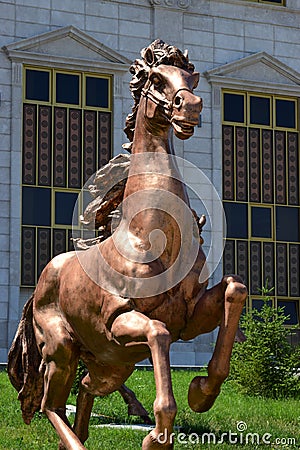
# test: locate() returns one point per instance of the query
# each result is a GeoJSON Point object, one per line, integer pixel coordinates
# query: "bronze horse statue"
{"type": "Point", "coordinates": [129, 297]}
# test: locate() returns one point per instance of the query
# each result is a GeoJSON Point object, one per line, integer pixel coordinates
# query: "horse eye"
{"type": "Point", "coordinates": [156, 81]}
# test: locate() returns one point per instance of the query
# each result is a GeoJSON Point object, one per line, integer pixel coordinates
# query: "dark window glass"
{"type": "Point", "coordinates": [97, 92]}
{"type": "Point", "coordinates": [236, 219]}
{"type": "Point", "coordinates": [261, 222]}
{"type": "Point", "coordinates": [260, 110]}
{"type": "Point", "coordinates": [64, 206]}
{"type": "Point", "coordinates": [287, 224]}
{"type": "Point", "coordinates": [272, 1]}
{"type": "Point", "coordinates": [291, 310]}
{"type": "Point", "coordinates": [258, 303]}
{"type": "Point", "coordinates": [37, 85]}
{"type": "Point", "coordinates": [67, 88]}
{"type": "Point", "coordinates": [36, 206]}
{"type": "Point", "coordinates": [234, 110]}
{"type": "Point", "coordinates": [285, 114]}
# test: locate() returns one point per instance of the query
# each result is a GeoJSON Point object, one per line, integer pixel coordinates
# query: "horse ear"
{"type": "Point", "coordinates": [196, 77]}
{"type": "Point", "coordinates": [149, 56]}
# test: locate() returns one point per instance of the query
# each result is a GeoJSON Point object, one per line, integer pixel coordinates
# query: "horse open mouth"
{"type": "Point", "coordinates": [183, 129]}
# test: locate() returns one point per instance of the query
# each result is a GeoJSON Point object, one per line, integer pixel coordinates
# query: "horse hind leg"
{"type": "Point", "coordinates": [84, 405]}
{"type": "Point", "coordinates": [135, 408]}
{"type": "Point", "coordinates": [60, 355]}
{"type": "Point", "coordinates": [54, 407]}
{"type": "Point", "coordinates": [99, 380]}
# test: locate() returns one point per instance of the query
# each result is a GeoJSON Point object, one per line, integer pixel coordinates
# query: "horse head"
{"type": "Point", "coordinates": [165, 79]}
{"type": "Point", "coordinates": [170, 99]}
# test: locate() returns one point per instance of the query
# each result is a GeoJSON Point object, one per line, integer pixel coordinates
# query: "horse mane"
{"type": "Point", "coordinates": [158, 52]}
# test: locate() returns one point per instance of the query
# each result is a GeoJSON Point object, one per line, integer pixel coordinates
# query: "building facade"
{"type": "Point", "coordinates": [55, 131]}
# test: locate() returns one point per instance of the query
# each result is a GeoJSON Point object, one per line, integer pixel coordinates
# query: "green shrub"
{"type": "Point", "coordinates": [266, 364]}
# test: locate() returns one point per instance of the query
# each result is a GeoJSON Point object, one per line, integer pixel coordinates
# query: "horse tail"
{"type": "Point", "coordinates": [24, 365]}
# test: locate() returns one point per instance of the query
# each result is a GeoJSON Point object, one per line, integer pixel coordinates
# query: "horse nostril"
{"type": "Point", "coordinates": [178, 101]}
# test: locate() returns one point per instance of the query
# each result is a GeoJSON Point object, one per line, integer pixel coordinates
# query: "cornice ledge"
{"type": "Point", "coordinates": [39, 59]}
{"type": "Point", "coordinates": [226, 71]}
{"type": "Point", "coordinates": [174, 4]}
{"type": "Point", "coordinates": [31, 44]}
{"type": "Point", "coordinates": [254, 86]}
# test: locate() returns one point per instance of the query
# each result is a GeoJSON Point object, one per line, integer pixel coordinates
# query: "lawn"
{"type": "Point", "coordinates": [232, 421]}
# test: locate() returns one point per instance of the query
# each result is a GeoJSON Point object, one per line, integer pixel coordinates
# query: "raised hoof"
{"type": "Point", "coordinates": [199, 400]}
{"type": "Point", "coordinates": [153, 442]}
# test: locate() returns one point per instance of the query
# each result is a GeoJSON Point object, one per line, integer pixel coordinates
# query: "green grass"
{"type": "Point", "coordinates": [280, 418]}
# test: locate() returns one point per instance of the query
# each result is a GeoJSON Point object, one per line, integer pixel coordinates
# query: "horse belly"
{"type": "Point", "coordinates": [172, 312]}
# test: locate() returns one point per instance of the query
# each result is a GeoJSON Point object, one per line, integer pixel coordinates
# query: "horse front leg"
{"type": "Point", "coordinates": [225, 302]}
{"type": "Point", "coordinates": [131, 329]}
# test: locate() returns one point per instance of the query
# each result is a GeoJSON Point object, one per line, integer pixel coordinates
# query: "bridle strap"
{"type": "Point", "coordinates": [166, 105]}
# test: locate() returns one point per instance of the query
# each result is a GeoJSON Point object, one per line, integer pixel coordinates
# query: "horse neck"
{"type": "Point", "coordinates": [149, 138]}
{"type": "Point", "coordinates": [152, 152]}
{"type": "Point", "coordinates": [153, 169]}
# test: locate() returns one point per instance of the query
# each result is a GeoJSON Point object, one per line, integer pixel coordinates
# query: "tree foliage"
{"type": "Point", "coordinates": [266, 364]}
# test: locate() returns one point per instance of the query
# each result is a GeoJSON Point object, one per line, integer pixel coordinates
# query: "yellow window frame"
{"type": "Point", "coordinates": [259, 297]}
{"type": "Point", "coordinates": [290, 299]}
{"type": "Point", "coordinates": [273, 98]}
{"type": "Point", "coordinates": [54, 190]}
{"type": "Point", "coordinates": [82, 88]}
{"type": "Point", "coordinates": [241, 93]}
{"type": "Point", "coordinates": [248, 119]}
{"type": "Point", "coordinates": [101, 76]}
{"type": "Point", "coordinates": [66, 72]}
{"type": "Point", "coordinates": [257, 238]}
{"type": "Point", "coordinates": [39, 69]}
{"type": "Point", "coordinates": [52, 104]}
{"type": "Point", "coordinates": [269, 2]}
{"type": "Point", "coordinates": [291, 99]}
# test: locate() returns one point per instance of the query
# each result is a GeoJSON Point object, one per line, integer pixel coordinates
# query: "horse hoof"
{"type": "Point", "coordinates": [140, 412]}
{"type": "Point", "coordinates": [199, 400]}
{"type": "Point", "coordinates": [146, 420]}
{"type": "Point", "coordinates": [159, 442]}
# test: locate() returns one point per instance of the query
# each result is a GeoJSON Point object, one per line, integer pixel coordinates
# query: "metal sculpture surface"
{"type": "Point", "coordinates": [82, 309]}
